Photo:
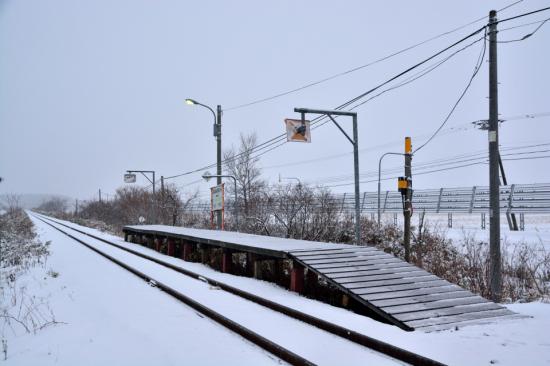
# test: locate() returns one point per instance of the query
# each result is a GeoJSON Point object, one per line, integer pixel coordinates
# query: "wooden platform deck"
{"type": "Point", "coordinates": [397, 291]}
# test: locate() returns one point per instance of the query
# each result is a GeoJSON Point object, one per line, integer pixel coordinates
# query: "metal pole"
{"type": "Point", "coordinates": [235, 203]}
{"type": "Point", "coordinates": [379, 179]}
{"type": "Point", "coordinates": [219, 157]}
{"type": "Point", "coordinates": [512, 222]}
{"type": "Point", "coordinates": [356, 173]}
{"type": "Point", "coordinates": [494, 190]}
{"type": "Point", "coordinates": [408, 204]}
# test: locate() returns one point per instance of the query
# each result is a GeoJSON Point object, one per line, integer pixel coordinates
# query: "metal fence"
{"type": "Point", "coordinates": [515, 198]}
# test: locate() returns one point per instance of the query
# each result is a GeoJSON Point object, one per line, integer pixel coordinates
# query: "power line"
{"type": "Point", "coordinates": [343, 73]}
{"type": "Point", "coordinates": [278, 139]}
{"type": "Point", "coordinates": [441, 162]}
{"type": "Point", "coordinates": [476, 70]}
{"type": "Point", "coordinates": [525, 36]}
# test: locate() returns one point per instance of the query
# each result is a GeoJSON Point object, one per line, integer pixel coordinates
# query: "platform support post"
{"type": "Point", "coordinates": [227, 261]}
{"type": "Point", "coordinates": [204, 253]}
{"type": "Point", "coordinates": [125, 236]}
{"type": "Point", "coordinates": [257, 264]}
{"type": "Point", "coordinates": [150, 242]}
{"type": "Point", "coordinates": [157, 244]}
{"type": "Point", "coordinates": [311, 281]}
{"type": "Point", "coordinates": [186, 251]}
{"type": "Point", "coordinates": [297, 278]}
{"type": "Point", "coordinates": [278, 271]}
{"type": "Point", "coordinates": [171, 247]}
{"type": "Point", "coordinates": [250, 260]}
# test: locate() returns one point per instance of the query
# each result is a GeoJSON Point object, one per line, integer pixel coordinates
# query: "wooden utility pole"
{"type": "Point", "coordinates": [100, 195]}
{"type": "Point", "coordinates": [407, 209]}
{"type": "Point", "coordinates": [494, 189]}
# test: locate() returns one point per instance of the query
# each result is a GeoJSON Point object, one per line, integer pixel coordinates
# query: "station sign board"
{"type": "Point", "coordinates": [217, 197]}
{"type": "Point", "coordinates": [129, 178]}
{"type": "Point", "coordinates": [297, 130]}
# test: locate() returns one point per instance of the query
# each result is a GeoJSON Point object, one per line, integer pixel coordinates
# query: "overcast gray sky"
{"type": "Point", "coordinates": [89, 89]}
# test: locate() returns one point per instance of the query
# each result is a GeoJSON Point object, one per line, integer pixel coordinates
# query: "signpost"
{"type": "Point", "coordinates": [217, 200]}
{"type": "Point", "coordinates": [129, 178]}
{"type": "Point", "coordinates": [297, 130]}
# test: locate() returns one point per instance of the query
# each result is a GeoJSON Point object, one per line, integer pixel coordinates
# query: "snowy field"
{"type": "Point", "coordinates": [108, 316]}
{"type": "Point", "coordinates": [537, 228]}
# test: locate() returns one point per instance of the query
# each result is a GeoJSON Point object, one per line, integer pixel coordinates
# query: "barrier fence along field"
{"type": "Point", "coordinates": [515, 198]}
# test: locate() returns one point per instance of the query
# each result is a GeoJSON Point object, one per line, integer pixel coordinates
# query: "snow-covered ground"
{"type": "Point", "coordinates": [114, 318]}
{"type": "Point", "coordinates": [537, 228]}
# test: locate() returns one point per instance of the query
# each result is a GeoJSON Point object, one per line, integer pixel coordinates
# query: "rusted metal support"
{"type": "Point", "coordinates": [171, 247]}
{"type": "Point", "coordinates": [297, 278]}
{"type": "Point", "coordinates": [157, 244]}
{"type": "Point", "coordinates": [187, 250]}
{"type": "Point", "coordinates": [227, 261]}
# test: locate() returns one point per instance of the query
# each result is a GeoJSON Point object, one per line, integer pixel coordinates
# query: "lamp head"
{"type": "Point", "coordinates": [190, 101]}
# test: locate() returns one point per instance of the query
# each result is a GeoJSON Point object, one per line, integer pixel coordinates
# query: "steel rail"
{"type": "Point", "coordinates": [353, 336]}
{"type": "Point", "coordinates": [246, 333]}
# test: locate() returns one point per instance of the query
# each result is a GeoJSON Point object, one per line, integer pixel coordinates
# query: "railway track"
{"type": "Point", "coordinates": [283, 353]}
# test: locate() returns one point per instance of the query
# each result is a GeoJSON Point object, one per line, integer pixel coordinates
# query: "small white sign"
{"type": "Point", "coordinates": [129, 178]}
{"type": "Point", "coordinates": [217, 197]}
{"type": "Point", "coordinates": [492, 136]}
{"type": "Point", "coordinates": [297, 130]}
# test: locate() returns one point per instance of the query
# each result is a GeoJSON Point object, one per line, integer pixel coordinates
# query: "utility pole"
{"type": "Point", "coordinates": [407, 209]}
{"type": "Point", "coordinates": [494, 190]}
{"type": "Point", "coordinates": [100, 195]}
{"type": "Point", "coordinates": [76, 207]}
{"type": "Point", "coordinates": [218, 134]}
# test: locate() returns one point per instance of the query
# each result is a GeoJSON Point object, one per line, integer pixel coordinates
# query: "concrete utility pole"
{"type": "Point", "coordinates": [494, 190]}
{"type": "Point", "coordinates": [407, 212]}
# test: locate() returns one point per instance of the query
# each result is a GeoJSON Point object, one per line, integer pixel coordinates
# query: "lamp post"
{"type": "Point", "coordinates": [218, 136]}
{"type": "Point", "coordinates": [206, 176]}
{"type": "Point", "coordinates": [379, 173]}
{"type": "Point", "coordinates": [355, 143]}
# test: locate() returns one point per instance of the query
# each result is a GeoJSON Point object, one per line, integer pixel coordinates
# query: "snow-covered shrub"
{"type": "Point", "coordinates": [19, 251]}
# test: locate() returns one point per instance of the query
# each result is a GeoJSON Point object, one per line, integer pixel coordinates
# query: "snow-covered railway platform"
{"type": "Point", "coordinates": [366, 279]}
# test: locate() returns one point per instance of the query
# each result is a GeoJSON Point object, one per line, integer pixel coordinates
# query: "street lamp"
{"type": "Point", "coordinates": [206, 176]}
{"type": "Point", "coordinates": [379, 173]}
{"type": "Point", "coordinates": [218, 136]}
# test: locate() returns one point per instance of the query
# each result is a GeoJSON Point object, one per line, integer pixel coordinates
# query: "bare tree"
{"type": "Point", "coordinates": [245, 168]}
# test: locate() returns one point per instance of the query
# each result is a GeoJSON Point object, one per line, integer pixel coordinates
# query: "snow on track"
{"type": "Point", "coordinates": [510, 342]}
{"type": "Point", "coordinates": [315, 345]}
{"type": "Point", "coordinates": [112, 318]}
